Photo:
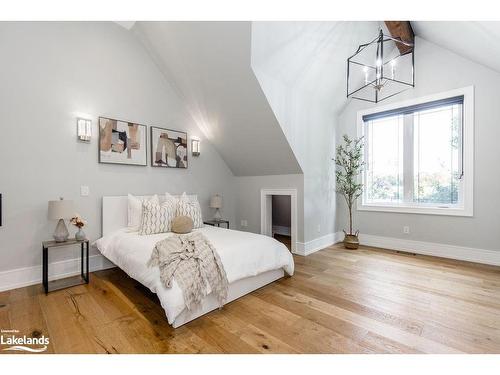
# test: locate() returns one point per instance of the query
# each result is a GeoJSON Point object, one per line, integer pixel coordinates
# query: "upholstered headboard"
{"type": "Point", "coordinates": [114, 213]}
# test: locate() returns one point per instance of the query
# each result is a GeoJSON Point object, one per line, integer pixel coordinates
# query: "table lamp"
{"type": "Point", "coordinates": [216, 202]}
{"type": "Point", "coordinates": [60, 210]}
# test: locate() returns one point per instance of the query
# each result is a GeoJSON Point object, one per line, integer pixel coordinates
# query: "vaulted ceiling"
{"type": "Point", "coordinates": [310, 56]}
{"type": "Point", "coordinates": [479, 41]}
{"type": "Point", "coordinates": [210, 66]}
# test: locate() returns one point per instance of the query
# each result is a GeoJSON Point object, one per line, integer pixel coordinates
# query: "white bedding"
{"type": "Point", "coordinates": [243, 254]}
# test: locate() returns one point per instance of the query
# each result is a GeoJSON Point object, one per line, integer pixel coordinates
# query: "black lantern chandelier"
{"type": "Point", "coordinates": [380, 69]}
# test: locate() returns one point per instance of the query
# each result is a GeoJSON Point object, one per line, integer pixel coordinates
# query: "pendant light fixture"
{"type": "Point", "coordinates": [380, 69]}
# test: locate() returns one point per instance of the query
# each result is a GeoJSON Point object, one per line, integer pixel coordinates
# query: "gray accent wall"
{"type": "Point", "coordinates": [53, 72]}
{"type": "Point", "coordinates": [439, 70]}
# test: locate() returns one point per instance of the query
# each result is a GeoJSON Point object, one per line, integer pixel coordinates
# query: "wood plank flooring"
{"type": "Point", "coordinates": [338, 301]}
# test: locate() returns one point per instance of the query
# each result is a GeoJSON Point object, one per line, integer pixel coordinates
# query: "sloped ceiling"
{"type": "Point", "coordinates": [209, 65]}
{"type": "Point", "coordinates": [310, 56]}
{"type": "Point", "coordinates": [475, 40]}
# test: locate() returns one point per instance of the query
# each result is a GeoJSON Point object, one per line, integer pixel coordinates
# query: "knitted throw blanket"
{"type": "Point", "coordinates": [194, 263]}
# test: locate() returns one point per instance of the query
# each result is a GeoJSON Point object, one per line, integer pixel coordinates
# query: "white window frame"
{"type": "Point", "coordinates": [466, 206]}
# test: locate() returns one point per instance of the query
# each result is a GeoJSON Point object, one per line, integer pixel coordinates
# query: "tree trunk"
{"type": "Point", "coordinates": [350, 219]}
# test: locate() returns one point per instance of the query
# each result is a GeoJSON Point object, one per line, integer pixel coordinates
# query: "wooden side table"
{"type": "Point", "coordinates": [70, 281]}
{"type": "Point", "coordinates": [217, 223]}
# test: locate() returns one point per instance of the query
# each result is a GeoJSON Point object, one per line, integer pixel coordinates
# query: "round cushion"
{"type": "Point", "coordinates": [182, 224]}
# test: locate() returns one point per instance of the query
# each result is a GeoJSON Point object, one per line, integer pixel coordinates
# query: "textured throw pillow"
{"type": "Point", "coordinates": [182, 225]}
{"type": "Point", "coordinates": [135, 212]}
{"type": "Point", "coordinates": [156, 217]}
{"type": "Point", "coordinates": [186, 207]}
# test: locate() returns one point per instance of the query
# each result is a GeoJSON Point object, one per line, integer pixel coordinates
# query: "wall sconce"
{"type": "Point", "coordinates": [195, 147]}
{"type": "Point", "coordinates": [83, 129]}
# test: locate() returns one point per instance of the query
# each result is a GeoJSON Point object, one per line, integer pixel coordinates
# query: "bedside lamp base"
{"type": "Point", "coordinates": [61, 233]}
{"type": "Point", "coordinates": [217, 216]}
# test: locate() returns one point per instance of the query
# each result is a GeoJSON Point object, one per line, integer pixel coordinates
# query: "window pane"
{"type": "Point", "coordinates": [437, 142]}
{"type": "Point", "coordinates": [384, 168]}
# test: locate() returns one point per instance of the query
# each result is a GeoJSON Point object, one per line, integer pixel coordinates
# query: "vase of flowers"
{"type": "Point", "coordinates": [78, 222]}
{"type": "Point", "coordinates": [349, 161]}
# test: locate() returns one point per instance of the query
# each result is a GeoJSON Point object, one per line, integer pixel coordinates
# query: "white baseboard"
{"type": "Point", "coordinates": [284, 231]}
{"type": "Point", "coordinates": [469, 254]}
{"type": "Point", "coordinates": [306, 248]}
{"type": "Point", "coordinates": [434, 249]}
{"type": "Point", "coordinates": [22, 277]}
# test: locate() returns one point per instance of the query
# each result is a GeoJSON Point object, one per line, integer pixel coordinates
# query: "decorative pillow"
{"type": "Point", "coordinates": [192, 197]}
{"type": "Point", "coordinates": [156, 217]}
{"type": "Point", "coordinates": [186, 207]}
{"type": "Point", "coordinates": [135, 212]}
{"type": "Point", "coordinates": [182, 225]}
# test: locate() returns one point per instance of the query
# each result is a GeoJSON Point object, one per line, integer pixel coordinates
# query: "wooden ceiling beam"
{"type": "Point", "coordinates": [403, 31]}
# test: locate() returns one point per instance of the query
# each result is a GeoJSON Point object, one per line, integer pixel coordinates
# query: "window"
{"type": "Point", "coordinates": [419, 155]}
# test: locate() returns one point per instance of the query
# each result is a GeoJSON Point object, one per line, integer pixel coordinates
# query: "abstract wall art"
{"type": "Point", "coordinates": [122, 142]}
{"type": "Point", "coordinates": [168, 148]}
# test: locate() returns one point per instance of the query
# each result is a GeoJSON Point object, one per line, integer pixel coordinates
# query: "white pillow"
{"type": "Point", "coordinates": [156, 217]}
{"type": "Point", "coordinates": [191, 197]}
{"type": "Point", "coordinates": [170, 197]}
{"type": "Point", "coordinates": [135, 212]}
{"type": "Point", "coordinates": [188, 207]}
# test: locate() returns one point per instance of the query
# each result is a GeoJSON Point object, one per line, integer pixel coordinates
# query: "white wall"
{"type": "Point", "coordinates": [288, 59]}
{"type": "Point", "coordinates": [50, 73]}
{"type": "Point", "coordinates": [438, 70]}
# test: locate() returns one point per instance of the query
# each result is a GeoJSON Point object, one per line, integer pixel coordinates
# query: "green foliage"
{"type": "Point", "coordinates": [432, 190]}
{"type": "Point", "coordinates": [349, 160]}
{"type": "Point", "coordinates": [384, 188]}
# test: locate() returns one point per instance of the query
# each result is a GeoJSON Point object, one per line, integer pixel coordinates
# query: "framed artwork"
{"type": "Point", "coordinates": [122, 142]}
{"type": "Point", "coordinates": [168, 148]}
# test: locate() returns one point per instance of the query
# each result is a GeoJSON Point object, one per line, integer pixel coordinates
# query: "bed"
{"type": "Point", "coordinates": [250, 260]}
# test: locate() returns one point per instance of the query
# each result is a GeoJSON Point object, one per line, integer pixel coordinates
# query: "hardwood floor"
{"type": "Point", "coordinates": [338, 301]}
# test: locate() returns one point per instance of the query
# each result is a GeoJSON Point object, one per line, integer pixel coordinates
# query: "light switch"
{"type": "Point", "coordinates": [84, 191]}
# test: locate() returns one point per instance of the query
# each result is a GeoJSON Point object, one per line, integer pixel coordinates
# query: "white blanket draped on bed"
{"type": "Point", "coordinates": [243, 254]}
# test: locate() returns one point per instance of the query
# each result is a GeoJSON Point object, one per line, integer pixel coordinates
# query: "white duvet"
{"type": "Point", "coordinates": [243, 254]}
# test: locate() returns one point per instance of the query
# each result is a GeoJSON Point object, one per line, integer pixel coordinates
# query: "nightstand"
{"type": "Point", "coordinates": [83, 278]}
{"type": "Point", "coordinates": [216, 223]}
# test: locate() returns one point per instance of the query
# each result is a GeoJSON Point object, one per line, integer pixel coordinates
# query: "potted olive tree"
{"type": "Point", "coordinates": [349, 161]}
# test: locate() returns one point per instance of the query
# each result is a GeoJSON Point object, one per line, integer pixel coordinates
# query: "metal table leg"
{"type": "Point", "coordinates": [45, 270]}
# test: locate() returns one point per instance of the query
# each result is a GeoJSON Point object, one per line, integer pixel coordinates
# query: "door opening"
{"type": "Point", "coordinates": [279, 215]}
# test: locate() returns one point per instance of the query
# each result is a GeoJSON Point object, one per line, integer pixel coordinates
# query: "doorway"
{"type": "Point", "coordinates": [279, 215]}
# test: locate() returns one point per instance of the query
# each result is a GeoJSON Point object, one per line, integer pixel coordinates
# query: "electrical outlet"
{"type": "Point", "coordinates": [84, 191]}
{"type": "Point", "coordinates": [406, 229]}
{"type": "Point", "coordinates": [244, 223]}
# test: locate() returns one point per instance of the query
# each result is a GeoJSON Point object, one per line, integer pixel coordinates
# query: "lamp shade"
{"type": "Point", "coordinates": [216, 201]}
{"type": "Point", "coordinates": [61, 209]}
